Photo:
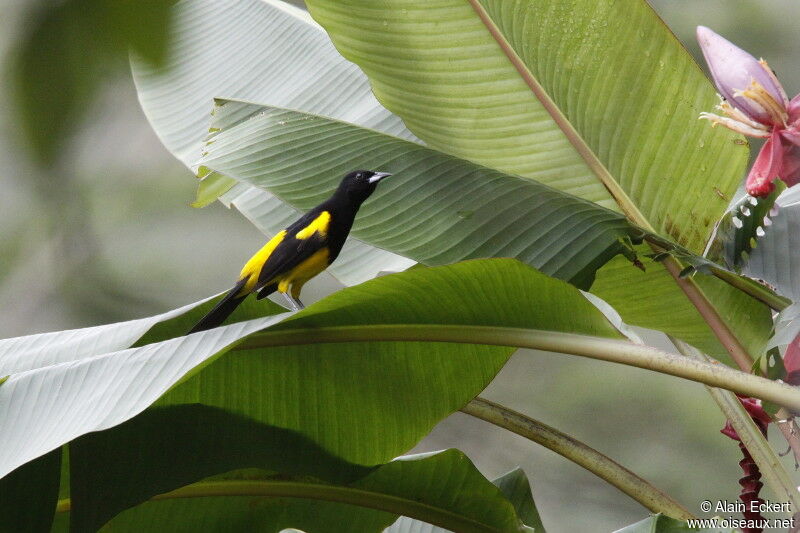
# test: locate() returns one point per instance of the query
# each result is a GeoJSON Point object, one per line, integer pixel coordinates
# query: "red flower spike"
{"type": "Point", "coordinates": [751, 481]}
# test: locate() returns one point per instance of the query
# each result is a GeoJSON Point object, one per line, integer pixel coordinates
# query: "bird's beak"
{"type": "Point", "coordinates": [378, 176]}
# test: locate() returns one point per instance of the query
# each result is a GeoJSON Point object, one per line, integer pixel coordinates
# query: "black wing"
{"type": "Point", "coordinates": [292, 251]}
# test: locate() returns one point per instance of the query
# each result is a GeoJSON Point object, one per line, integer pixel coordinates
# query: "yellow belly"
{"type": "Point", "coordinates": [295, 278]}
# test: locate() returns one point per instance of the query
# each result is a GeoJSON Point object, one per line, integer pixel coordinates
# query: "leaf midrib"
{"type": "Point", "coordinates": [431, 514]}
{"type": "Point", "coordinates": [597, 167]}
{"type": "Point", "coordinates": [602, 348]}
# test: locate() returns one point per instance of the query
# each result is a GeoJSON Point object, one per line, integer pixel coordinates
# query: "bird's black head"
{"type": "Point", "coordinates": [359, 184]}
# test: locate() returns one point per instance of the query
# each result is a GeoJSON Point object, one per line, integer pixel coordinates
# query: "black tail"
{"type": "Point", "coordinates": [222, 310]}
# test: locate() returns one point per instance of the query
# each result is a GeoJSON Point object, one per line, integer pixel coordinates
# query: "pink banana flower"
{"type": "Point", "coordinates": [754, 104]}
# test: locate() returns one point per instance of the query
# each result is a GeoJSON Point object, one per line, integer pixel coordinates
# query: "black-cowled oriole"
{"type": "Point", "coordinates": [301, 251]}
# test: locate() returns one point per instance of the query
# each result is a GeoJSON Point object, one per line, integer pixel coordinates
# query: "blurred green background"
{"type": "Point", "coordinates": [106, 233]}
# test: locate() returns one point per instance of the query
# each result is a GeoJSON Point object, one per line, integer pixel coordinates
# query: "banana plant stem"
{"type": "Point", "coordinates": [721, 330]}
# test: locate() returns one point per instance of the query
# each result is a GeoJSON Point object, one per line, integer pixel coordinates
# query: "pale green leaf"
{"type": "Point", "coordinates": [742, 226]}
{"type": "Point", "coordinates": [47, 406]}
{"type": "Point", "coordinates": [46, 349]}
{"type": "Point", "coordinates": [265, 51]}
{"type": "Point", "coordinates": [775, 260]}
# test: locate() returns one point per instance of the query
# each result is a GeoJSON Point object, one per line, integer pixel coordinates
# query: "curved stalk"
{"type": "Point", "coordinates": [579, 453]}
{"type": "Point", "coordinates": [330, 493]}
{"type": "Point", "coordinates": [595, 347]}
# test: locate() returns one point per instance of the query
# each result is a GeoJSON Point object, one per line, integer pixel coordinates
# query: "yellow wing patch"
{"type": "Point", "coordinates": [318, 225]}
{"type": "Point", "coordinates": [252, 268]}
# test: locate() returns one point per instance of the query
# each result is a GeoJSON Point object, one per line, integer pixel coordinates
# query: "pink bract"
{"type": "Point", "coordinates": [754, 104]}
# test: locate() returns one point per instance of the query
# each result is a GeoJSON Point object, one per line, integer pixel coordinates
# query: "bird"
{"type": "Point", "coordinates": [299, 252]}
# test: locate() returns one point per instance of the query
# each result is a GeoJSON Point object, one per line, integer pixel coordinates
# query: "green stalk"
{"type": "Point", "coordinates": [330, 493]}
{"type": "Point", "coordinates": [580, 454]}
{"type": "Point", "coordinates": [754, 289]}
{"type": "Point", "coordinates": [595, 347]}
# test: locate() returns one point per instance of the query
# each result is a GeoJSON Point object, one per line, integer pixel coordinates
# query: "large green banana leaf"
{"type": "Point", "coordinates": [348, 393]}
{"type": "Point", "coordinates": [649, 299]}
{"type": "Point", "coordinates": [55, 402]}
{"type": "Point", "coordinates": [595, 98]}
{"type": "Point", "coordinates": [444, 487]}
